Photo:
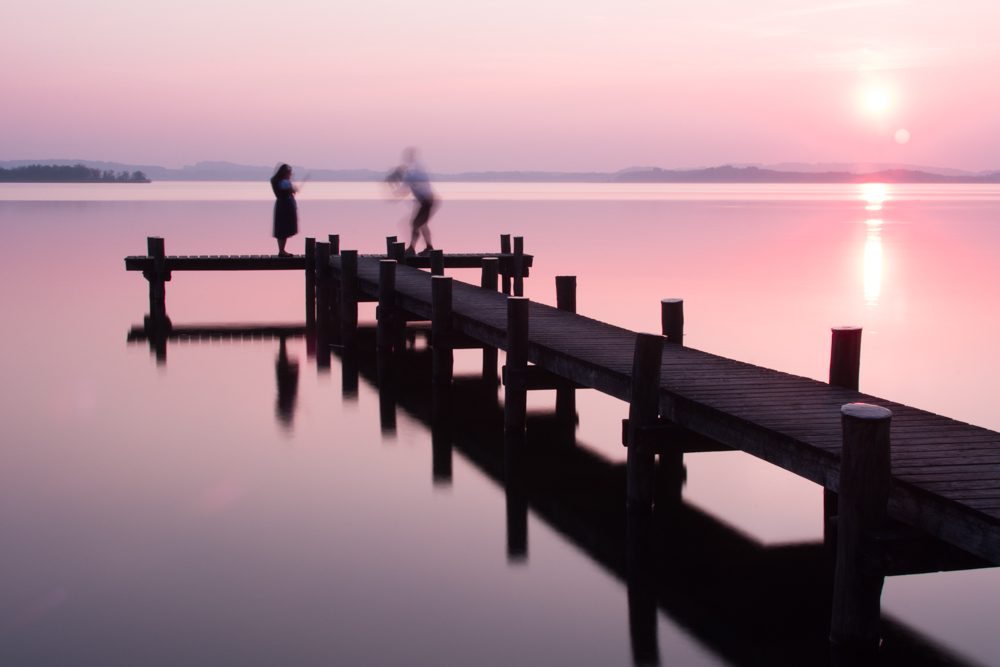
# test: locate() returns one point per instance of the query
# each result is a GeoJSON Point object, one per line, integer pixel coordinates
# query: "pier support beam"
{"type": "Point", "coordinates": [644, 410]}
{"type": "Point", "coordinates": [566, 398]}
{"type": "Point", "coordinates": [490, 281]}
{"type": "Point", "coordinates": [437, 262]}
{"type": "Point", "coordinates": [505, 272]}
{"type": "Point", "coordinates": [384, 333]}
{"type": "Point", "coordinates": [310, 281]}
{"type": "Point", "coordinates": [399, 252]}
{"type": "Point", "coordinates": [324, 296]}
{"type": "Point", "coordinates": [515, 397]}
{"type": "Point", "coordinates": [845, 372]}
{"type": "Point", "coordinates": [672, 320]}
{"type": "Point", "coordinates": [389, 242]}
{"type": "Point", "coordinates": [442, 369]}
{"type": "Point", "coordinates": [865, 475]}
{"type": "Point", "coordinates": [518, 266]}
{"type": "Point", "coordinates": [349, 297]}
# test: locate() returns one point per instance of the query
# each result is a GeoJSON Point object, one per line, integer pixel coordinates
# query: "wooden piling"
{"type": "Point", "coordinates": [505, 271]}
{"type": "Point", "coordinates": [865, 476]}
{"type": "Point", "coordinates": [386, 305]}
{"type": "Point", "coordinates": [672, 320]}
{"type": "Point", "coordinates": [389, 241]}
{"type": "Point", "coordinates": [515, 402]}
{"type": "Point", "coordinates": [323, 281]}
{"type": "Point", "coordinates": [334, 244]}
{"type": "Point", "coordinates": [437, 262]}
{"type": "Point", "coordinates": [566, 398]}
{"type": "Point", "coordinates": [442, 364]}
{"type": "Point", "coordinates": [310, 280]}
{"type": "Point", "coordinates": [441, 315]}
{"type": "Point", "coordinates": [158, 276]}
{"type": "Point", "coordinates": [399, 252]}
{"type": "Point", "coordinates": [518, 266]}
{"type": "Point", "coordinates": [349, 296]}
{"type": "Point", "coordinates": [644, 410]}
{"type": "Point", "coordinates": [845, 357]}
{"type": "Point", "coordinates": [490, 280]}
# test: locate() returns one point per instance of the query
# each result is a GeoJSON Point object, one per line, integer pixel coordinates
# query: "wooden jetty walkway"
{"type": "Point", "coordinates": [933, 474]}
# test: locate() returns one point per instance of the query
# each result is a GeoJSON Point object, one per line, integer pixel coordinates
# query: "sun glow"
{"type": "Point", "coordinates": [877, 100]}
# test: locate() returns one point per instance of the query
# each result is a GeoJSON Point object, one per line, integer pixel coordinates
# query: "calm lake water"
{"type": "Point", "coordinates": [236, 506]}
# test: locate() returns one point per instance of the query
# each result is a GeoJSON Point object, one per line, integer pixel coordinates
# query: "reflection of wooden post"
{"type": "Point", "coordinates": [845, 357]}
{"type": "Point", "coordinates": [516, 492]}
{"type": "Point", "coordinates": [386, 305]}
{"type": "Point", "coordinates": [442, 365]}
{"type": "Point", "coordinates": [518, 266]}
{"type": "Point", "coordinates": [505, 270]}
{"type": "Point", "coordinates": [644, 410]}
{"type": "Point", "coordinates": [641, 582]}
{"type": "Point", "coordinates": [349, 296]}
{"type": "Point", "coordinates": [310, 280]}
{"type": "Point", "coordinates": [672, 320]}
{"type": "Point", "coordinates": [865, 476]}
{"type": "Point", "coordinates": [386, 392]}
{"type": "Point", "coordinates": [566, 398]}
{"type": "Point", "coordinates": [437, 262]}
{"type": "Point", "coordinates": [324, 288]}
{"type": "Point", "coordinates": [490, 281]}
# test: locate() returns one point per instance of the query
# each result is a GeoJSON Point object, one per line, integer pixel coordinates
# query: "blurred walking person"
{"type": "Point", "coordinates": [286, 215]}
{"type": "Point", "coordinates": [411, 176]}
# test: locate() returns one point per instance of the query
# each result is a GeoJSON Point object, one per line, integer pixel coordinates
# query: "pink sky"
{"type": "Point", "coordinates": [518, 84]}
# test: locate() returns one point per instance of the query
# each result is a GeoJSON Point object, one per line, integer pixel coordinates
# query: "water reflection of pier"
{"type": "Point", "coordinates": [748, 603]}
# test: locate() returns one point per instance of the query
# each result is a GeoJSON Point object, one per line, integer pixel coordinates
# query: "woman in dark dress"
{"type": "Point", "coordinates": [286, 216]}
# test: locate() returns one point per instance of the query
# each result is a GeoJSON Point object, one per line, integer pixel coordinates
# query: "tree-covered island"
{"type": "Point", "coordinates": [39, 173]}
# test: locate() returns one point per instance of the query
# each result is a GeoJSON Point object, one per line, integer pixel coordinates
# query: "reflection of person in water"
{"type": "Point", "coordinates": [287, 372]}
{"type": "Point", "coordinates": [286, 215]}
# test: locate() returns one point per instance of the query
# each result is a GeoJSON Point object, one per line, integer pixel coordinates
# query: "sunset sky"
{"type": "Point", "coordinates": [518, 84]}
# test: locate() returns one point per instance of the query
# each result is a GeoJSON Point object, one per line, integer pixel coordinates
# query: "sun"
{"type": "Point", "coordinates": [877, 100]}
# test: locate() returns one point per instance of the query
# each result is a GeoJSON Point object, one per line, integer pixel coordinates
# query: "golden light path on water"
{"type": "Point", "coordinates": [875, 195]}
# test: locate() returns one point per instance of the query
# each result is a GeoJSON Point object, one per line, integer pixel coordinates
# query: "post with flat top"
{"type": "Point", "coordinates": [865, 478]}
{"type": "Point", "coordinates": [514, 414]}
{"type": "Point", "coordinates": [334, 240]}
{"type": "Point", "coordinates": [505, 270]}
{"type": "Point", "coordinates": [437, 262]}
{"type": "Point", "coordinates": [158, 276]}
{"type": "Point", "coordinates": [644, 410]}
{"type": "Point", "coordinates": [518, 266]}
{"type": "Point", "coordinates": [349, 297]}
{"type": "Point", "coordinates": [566, 398]}
{"type": "Point", "coordinates": [672, 320]}
{"type": "Point", "coordinates": [310, 280]}
{"type": "Point", "coordinates": [334, 244]}
{"type": "Point", "coordinates": [489, 280]}
{"type": "Point", "coordinates": [442, 361]}
{"type": "Point", "coordinates": [386, 305]}
{"type": "Point", "coordinates": [399, 252]}
{"type": "Point", "coordinates": [389, 241]}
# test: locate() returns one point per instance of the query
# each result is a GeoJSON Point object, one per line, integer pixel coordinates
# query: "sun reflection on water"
{"type": "Point", "coordinates": [873, 262]}
{"type": "Point", "coordinates": [875, 195]}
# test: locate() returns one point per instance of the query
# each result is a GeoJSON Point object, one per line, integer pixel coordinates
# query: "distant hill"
{"type": "Point", "coordinates": [36, 173]}
{"type": "Point", "coordinates": [787, 172]}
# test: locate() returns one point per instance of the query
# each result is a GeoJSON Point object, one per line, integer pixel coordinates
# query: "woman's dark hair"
{"type": "Point", "coordinates": [284, 171]}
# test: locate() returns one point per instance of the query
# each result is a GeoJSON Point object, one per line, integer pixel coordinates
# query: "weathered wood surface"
{"type": "Point", "coordinates": [946, 474]}
{"type": "Point", "coordinates": [298, 262]}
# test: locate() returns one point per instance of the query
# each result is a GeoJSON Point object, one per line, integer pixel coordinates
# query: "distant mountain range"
{"type": "Point", "coordinates": [786, 172]}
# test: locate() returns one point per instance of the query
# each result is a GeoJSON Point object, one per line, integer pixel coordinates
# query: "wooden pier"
{"type": "Point", "coordinates": [926, 477]}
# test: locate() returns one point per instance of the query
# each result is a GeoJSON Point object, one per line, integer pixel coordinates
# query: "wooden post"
{"type": "Point", "coordinates": [310, 280]}
{"type": "Point", "coordinates": [490, 281]}
{"type": "Point", "coordinates": [442, 361]}
{"type": "Point", "coordinates": [644, 409]}
{"type": "Point", "coordinates": [399, 252]}
{"type": "Point", "coordinates": [566, 293]}
{"type": "Point", "coordinates": [437, 262]}
{"type": "Point", "coordinates": [349, 296]}
{"type": "Point", "coordinates": [672, 320]}
{"type": "Point", "coordinates": [386, 305]}
{"type": "Point", "coordinates": [515, 402]}
{"type": "Point", "coordinates": [865, 476]}
{"type": "Point", "coordinates": [566, 398]}
{"type": "Point", "coordinates": [389, 241]}
{"type": "Point", "coordinates": [334, 244]}
{"type": "Point", "coordinates": [505, 270]}
{"type": "Point", "coordinates": [845, 357]}
{"type": "Point", "coordinates": [158, 276]}
{"type": "Point", "coordinates": [323, 281]}
{"type": "Point", "coordinates": [518, 266]}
